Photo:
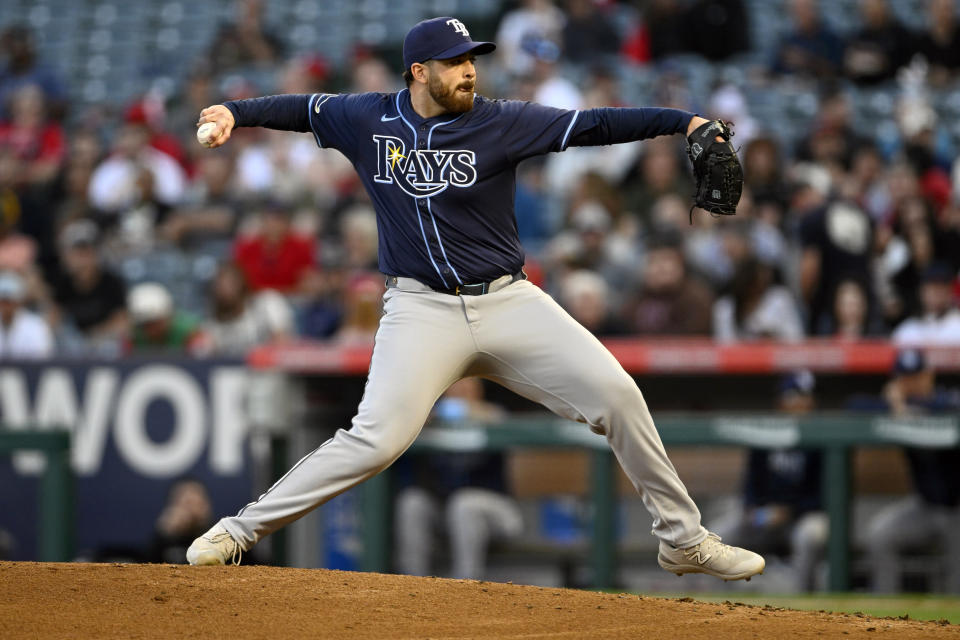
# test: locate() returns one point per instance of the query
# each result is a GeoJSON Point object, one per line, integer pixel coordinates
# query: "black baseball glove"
{"type": "Point", "coordinates": [716, 168]}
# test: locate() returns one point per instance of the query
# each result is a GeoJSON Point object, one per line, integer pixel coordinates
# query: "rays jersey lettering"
{"type": "Point", "coordinates": [463, 235]}
{"type": "Point", "coordinates": [423, 173]}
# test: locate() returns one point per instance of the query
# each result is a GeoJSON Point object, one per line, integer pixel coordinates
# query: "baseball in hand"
{"type": "Point", "coordinates": [205, 133]}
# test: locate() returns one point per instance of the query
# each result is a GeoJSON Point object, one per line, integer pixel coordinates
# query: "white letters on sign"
{"type": "Point", "coordinates": [211, 419]}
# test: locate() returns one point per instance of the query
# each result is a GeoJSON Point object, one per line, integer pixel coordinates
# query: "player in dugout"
{"type": "Point", "coordinates": [439, 163]}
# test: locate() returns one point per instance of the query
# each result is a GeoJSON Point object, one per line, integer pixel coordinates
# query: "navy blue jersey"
{"type": "Point", "coordinates": [443, 187]}
{"type": "Point", "coordinates": [788, 477]}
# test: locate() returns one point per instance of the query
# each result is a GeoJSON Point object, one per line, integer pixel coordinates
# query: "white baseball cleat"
{"type": "Point", "coordinates": [713, 558]}
{"type": "Point", "coordinates": [216, 546]}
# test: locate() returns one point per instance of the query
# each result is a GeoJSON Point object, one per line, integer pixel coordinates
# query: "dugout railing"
{"type": "Point", "coordinates": [55, 529]}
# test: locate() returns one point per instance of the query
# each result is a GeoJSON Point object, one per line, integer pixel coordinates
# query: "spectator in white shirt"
{"type": "Point", "coordinates": [939, 323]}
{"type": "Point", "coordinates": [241, 319]}
{"type": "Point", "coordinates": [553, 89]}
{"type": "Point", "coordinates": [757, 308]}
{"type": "Point", "coordinates": [136, 187]}
{"type": "Point", "coordinates": [118, 183]}
{"type": "Point", "coordinates": [532, 20]}
{"type": "Point", "coordinates": [23, 334]}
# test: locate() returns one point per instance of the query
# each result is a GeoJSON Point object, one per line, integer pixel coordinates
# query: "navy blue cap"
{"type": "Point", "coordinates": [800, 382]}
{"type": "Point", "coordinates": [439, 39]}
{"type": "Point", "coordinates": [909, 361]}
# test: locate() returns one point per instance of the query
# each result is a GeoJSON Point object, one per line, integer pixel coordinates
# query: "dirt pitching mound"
{"type": "Point", "coordinates": [41, 600]}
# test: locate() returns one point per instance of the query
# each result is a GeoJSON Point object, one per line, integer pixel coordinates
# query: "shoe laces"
{"type": "Point", "coordinates": [236, 554]}
{"type": "Point", "coordinates": [711, 547]}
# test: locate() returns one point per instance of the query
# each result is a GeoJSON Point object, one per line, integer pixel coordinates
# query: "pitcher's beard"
{"type": "Point", "coordinates": [452, 100]}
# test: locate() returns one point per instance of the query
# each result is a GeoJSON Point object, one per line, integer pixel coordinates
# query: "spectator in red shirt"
{"type": "Point", "coordinates": [276, 257]}
{"type": "Point", "coordinates": [36, 141]}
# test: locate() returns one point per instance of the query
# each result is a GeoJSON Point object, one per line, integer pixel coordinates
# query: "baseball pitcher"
{"type": "Point", "coordinates": [439, 163]}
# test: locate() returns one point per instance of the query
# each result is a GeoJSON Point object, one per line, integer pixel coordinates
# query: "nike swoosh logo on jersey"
{"type": "Point", "coordinates": [321, 98]}
{"type": "Point", "coordinates": [384, 118]}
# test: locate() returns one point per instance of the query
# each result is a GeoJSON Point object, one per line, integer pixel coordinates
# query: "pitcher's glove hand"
{"type": "Point", "coordinates": [716, 168]}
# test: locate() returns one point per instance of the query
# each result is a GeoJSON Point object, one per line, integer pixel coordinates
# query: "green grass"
{"type": "Point", "coordinates": [917, 606]}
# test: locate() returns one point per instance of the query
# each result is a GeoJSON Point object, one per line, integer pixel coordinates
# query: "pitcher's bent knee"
{"type": "Point", "coordinates": [618, 395]}
{"type": "Point", "coordinates": [374, 454]}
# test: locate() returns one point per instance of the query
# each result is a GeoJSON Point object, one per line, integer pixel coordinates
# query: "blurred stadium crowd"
{"type": "Point", "coordinates": [119, 233]}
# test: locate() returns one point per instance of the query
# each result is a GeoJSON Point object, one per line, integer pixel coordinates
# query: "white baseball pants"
{"type": "Point", "coordinates": [516, 336]}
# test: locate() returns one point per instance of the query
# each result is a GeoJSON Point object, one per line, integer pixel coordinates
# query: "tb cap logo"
{"type": "Point", "coordinates": [459, 27]}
